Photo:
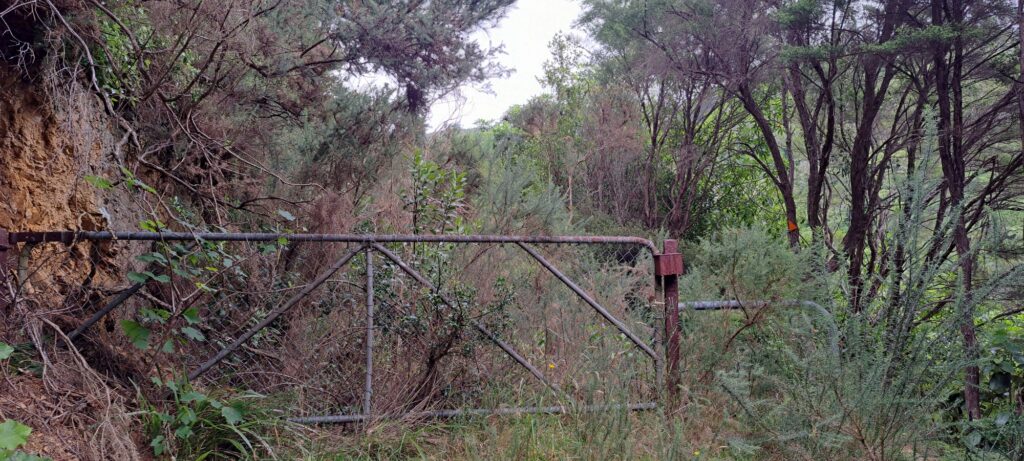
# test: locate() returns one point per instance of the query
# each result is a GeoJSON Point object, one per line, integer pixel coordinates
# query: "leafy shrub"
{"type": "Point", "coordinates": [201, 426]}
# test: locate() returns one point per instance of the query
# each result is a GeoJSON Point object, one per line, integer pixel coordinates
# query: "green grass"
{"type": "Point", "coordinates": [605, 436]}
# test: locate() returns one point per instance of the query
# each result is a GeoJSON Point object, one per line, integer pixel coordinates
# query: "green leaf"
{"type": "Point", "coordinates": [151, 225]}
{"type": "Point", "coordinates": [193, 334]}
{"type": "Point", "coordinates": [191, 315]}
{"type": "Point", "coordinates": [187, 416]}
{"type": "Point", "coordinates": [5, 351]}
{"type": "Point", "coordinates": [99, 182]}
{"type": "Point", "coordinates": [152, 257]}
{"type": "Point", "coordinates": [145, 187]}
{"type": "Point", "coordinates": [158, 445]}
{"type": "Point", "coordinates": [13, 434]}
{"type": "Point", "coordinates": [183, 432]}
{"type": "Point", "coordinates": [155, 314]}
{"type": "Point", "coordinates": [232, 414]}
{"type": "Point", "coordinates": [140, 184]}
{"type": "Point", "coordinates": [193, 397]}
{"type": "Point", "coordinates": [138, 334]}
{"type": "Point", "coordinates": [142, 277]}
{"type": "Point", "coordinates": [168, 347]}
{"type": "Point", "coordinates": [22, 456]}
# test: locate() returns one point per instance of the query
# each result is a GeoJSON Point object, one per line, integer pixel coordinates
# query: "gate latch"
{"type": "Point", "coordinates": [670, 261]}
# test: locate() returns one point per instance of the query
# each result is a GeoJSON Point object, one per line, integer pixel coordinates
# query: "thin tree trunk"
{"type": "Point", "coordinates": [783, 180]}
{"type": "Point", "coordinates": [951, 153]}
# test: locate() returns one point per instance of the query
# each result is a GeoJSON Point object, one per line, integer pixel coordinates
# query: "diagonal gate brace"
{"type": "Point", "coordinates": [274, 314]}
{"type": "Point", "coordinates": [591, 301]}
{"type": "Point", "coordinates": [479, 326]}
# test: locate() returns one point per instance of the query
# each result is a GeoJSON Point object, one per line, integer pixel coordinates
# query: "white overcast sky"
{"type": "Point", "coordinates": [525, 33]}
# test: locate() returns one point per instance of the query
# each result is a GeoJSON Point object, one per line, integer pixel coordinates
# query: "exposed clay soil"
{"type": "Point", "coordinates": [45, 155]}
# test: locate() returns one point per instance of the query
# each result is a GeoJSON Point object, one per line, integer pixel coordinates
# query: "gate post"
{"type": "Point", "coordinates": [668, 266]}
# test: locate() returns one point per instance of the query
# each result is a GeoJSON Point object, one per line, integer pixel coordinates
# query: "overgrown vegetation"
{"type": "Point", "coordinates": [850, 173]}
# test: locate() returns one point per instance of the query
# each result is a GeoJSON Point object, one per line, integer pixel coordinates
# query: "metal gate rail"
{"type": "Point", "coordinates": [668, 266]}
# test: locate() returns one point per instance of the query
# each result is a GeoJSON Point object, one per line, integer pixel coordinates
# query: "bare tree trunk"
{"type": "Point", "coordinates": [949, 94]}
{"type": "Point", "coordinates": [860, 179]}
{"type": "Point", "coordinates": [817, 145]}
{"type": "Point", "coordinates": [782, 178]}
{"type": "Point", "coordinates": [877, 74]}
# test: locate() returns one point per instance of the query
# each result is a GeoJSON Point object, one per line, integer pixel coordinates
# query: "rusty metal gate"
{"type": "Point", "coordinates": [390, 266]}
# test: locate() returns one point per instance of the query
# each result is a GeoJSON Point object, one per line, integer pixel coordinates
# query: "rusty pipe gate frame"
{"type": "Point", "coordinates": [668, 265]}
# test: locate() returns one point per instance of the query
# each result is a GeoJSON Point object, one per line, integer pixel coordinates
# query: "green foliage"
{"type": "Point", "coordinates": [14, 435]}
{"type": "Point", "coordinates": [514, 194]}
{"type": "Point", "coordinates": [159, 325]}
{"type": "Point", "coordinates": [425, 46]}
{"type": "Point", "coordinates": [99, 182]}
{"type": "Point", "coordinates": [132, 182]}
{"type": "Point", "coordinates": [911, 39]}
{"type": "Point", "coordinates": [811, 378]}
{"type": "Point", "coordinates": [801, 13]}
{"type": "Point", "coordinates": [819, 381]}
{"type": "Point", "coordinates": [437, 199]}
{"type": "Point", "coordinates": [200, 426]}
{"type": "Point", "coordinates": [748, 264]}
{"type": "Point", "coordinates": [137, 334]}
{"type": "Point", "coordinates": [118, 65]}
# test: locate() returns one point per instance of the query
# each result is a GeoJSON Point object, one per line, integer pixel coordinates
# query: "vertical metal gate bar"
{"type": "Point", "coordinates": [368, 392]}
{"type": "Point", "coordinates": [479, 326]}
{"type": "Point", "coordinates": [590, 300]}
{"type": "Point", "coordinates": [659, 342]}
{"type": "Point", "coordinates": [274, 314]}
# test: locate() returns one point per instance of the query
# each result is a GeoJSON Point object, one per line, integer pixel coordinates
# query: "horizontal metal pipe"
{"type": "Point", "coordinates": [719, 305]}
{"type": "Point", "coordinates": [72, 236]}
{"type": "Point", "coordinates": [512, 411]}
{"type": "Point", "coordinates": [733, 304]}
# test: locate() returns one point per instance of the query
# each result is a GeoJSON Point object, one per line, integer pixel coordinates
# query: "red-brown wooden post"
{"type": "Point", "coordinates": [668, 266]}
